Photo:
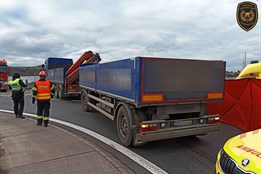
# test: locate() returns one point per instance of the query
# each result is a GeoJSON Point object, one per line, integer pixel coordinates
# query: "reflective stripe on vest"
{"type": "Point", "coordinates": [43, 90]}
{"type": "Point", "coordinates": [15, 84]}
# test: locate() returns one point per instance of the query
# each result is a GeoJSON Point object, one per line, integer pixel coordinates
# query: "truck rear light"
{"type": "Point", "coordinates": [72, 86]}
{"type": "Point", "coordinates": [148, 127]}
{"type": "Point", "coordinates": [213, 120]}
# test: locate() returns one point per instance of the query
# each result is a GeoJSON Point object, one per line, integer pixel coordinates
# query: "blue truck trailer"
{"type": "Point", "coordinates": [64, 74]}
{"type": "Point", "coordinates": [154, 98]}
{"type": "Point", "coordinates": [56, 68]}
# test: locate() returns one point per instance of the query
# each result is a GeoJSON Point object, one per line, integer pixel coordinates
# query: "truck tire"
{"type": "Point", "coordinates": [124, 126]}
{"type": "Point", "coordinates": [84, 101]}
{"type": "Point", "coordinates": [57, 91]}
{"type": "Point", "coordinates": [61, 90]}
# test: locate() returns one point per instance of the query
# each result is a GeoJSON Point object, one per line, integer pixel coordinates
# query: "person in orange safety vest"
{"type": "Point", "coordinates": [43, 91]}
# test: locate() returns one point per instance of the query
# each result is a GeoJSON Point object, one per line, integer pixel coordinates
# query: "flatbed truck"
{"type": "Point", "coordinates": [64, 74]}
{"type": "Point", "coordinates": [154, 98]}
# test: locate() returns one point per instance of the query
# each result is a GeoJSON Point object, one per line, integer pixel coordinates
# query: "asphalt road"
{"type": "Point", "coordinates": [194, 155]}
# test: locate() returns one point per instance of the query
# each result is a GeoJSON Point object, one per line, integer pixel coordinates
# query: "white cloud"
{"type": "Point", "coordinates": [33, 30]}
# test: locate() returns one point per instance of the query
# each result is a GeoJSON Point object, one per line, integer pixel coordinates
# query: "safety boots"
{"type": "Point", "coordinates": [46, 123]}
{"type": "Point", "coordinates": [21, 116]}
{"type": "Point", "coordinates": [39, 122]}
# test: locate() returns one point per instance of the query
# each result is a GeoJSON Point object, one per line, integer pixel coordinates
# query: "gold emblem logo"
{"type": "Point", "coordinates": [247, 15]}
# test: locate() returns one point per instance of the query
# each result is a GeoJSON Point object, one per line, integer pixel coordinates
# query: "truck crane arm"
{"type": "Point", "coordinates": [72, 74]}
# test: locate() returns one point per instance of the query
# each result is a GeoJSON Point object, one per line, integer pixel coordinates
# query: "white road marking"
{"type": "Point", "coordinates": [135, 157]}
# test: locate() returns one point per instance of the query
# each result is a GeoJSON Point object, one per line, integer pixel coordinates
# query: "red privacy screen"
{"type": "Point", "coordinates": [242, 104]}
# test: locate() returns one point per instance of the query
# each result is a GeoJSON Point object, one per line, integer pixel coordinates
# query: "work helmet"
{"type": "Point", "coordinates": [16, 75]}
{"type": "Point", "coordinates": [42, 74]}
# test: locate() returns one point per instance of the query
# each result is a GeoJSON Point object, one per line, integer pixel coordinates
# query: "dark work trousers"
{"type": "Point", "coordinates": [43, 112]}
{"type": "Point", "coordinates": [18, 106]}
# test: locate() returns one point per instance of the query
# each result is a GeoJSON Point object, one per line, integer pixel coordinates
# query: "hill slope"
{"type": "Point", "coordinates": [26, 71]}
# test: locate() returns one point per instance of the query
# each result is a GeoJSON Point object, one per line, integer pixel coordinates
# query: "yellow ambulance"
{"type": "Point", "coordinates": [241, 154]}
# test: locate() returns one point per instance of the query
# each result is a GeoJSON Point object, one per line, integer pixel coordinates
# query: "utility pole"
{"type": "Point", "coordinates": [244, 61]}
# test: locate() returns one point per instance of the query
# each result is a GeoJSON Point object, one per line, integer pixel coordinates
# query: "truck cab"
{"type": "Point", "coordinates": [4, 70]}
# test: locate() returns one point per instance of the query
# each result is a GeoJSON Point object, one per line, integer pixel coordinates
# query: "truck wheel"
{"type": "Point", "coordinates": [124, 123]}
{"type": "Point", "coordinates": [57, 91]}
{"type": "Point", "coordinates": [84, 101]}
{"type": "Point", "coordinates": [61, 91]}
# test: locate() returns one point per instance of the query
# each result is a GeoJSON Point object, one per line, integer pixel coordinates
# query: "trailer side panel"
{"type": "Point", "coordinates": [115, 78]}
{"type": "Point", "coordinates": [158, 80]}
{"type": "Point", "coordinates": [56, 75]}
{"type": "Point", "coordinates": [88, 76]}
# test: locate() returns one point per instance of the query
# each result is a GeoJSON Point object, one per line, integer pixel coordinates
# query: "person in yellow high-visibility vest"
{"type": "Point", "coordinates": [17, 85]}
{"type": "Point", "coordinates": [43, 91]}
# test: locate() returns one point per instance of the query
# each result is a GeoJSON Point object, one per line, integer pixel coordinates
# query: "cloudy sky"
{"type": "Point", "coordinates": [33, 30]}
